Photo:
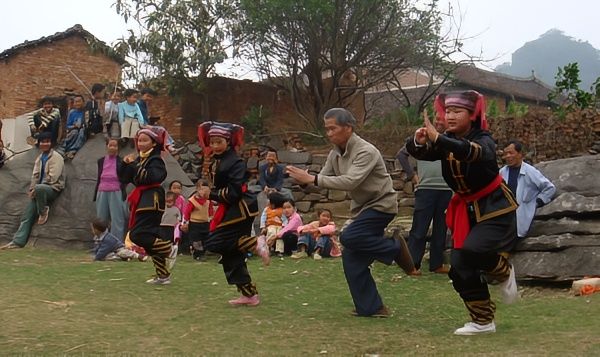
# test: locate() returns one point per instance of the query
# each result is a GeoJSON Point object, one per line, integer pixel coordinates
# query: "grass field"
{"type": "Point", "coordinates": [57, 302]}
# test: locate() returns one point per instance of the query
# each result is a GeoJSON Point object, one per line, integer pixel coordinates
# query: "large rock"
{"type": "Point", "coordinates": [69, 223]}
{"type": "Point", "coordinates": [564, 225]}
{"type": "Point", "coordinates": [558, 242]}
{"type": "Point", "coordinates": [569, 204]}
{"type": "Point", "coordinates": [294, 158]}
{"type": "Point", "coordinates": [575, 175]}
{"type": "Point", "coordinates": [564, 265]}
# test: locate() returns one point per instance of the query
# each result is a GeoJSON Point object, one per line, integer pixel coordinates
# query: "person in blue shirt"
{"type": "Point", "coordinates": [109, 247]}
{"type": "Point", "coordinates": [131, 118]}
{"type": "Point", "coordinates": [529, 185]}
{"type": "Point", "coordinates": [75, 128]}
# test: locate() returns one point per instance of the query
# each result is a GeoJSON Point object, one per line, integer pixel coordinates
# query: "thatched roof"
{"type": "Point", "coordinates": [76, 30]}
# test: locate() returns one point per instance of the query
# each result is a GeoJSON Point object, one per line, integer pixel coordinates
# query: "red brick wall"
{"type": "Point", "coordinates": [41, 70]}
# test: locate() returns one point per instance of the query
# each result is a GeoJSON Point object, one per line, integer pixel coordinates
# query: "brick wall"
{"type": "Point", "coordinates": [42, 70]}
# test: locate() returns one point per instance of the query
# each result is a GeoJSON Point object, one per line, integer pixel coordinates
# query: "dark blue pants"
{"type": "Point", "coordinates": [429, 205]}
{"type": "Point", "coordinates": [364, 243]}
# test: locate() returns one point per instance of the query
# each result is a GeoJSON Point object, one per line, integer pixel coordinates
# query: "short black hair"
{"type": "Point", "coordinates": [129, 92]}
{"type": "Point", "coordinates": [78, 96]}
{"type": "Point", "coordinates": [175, 181]}
{"type": "Point", "coordinates": [97, 87]}
{"type": "Point", "coordinates": [99, 224]}
{"type": "Point", "coordinates": [148, 91]}
{"type": "Point", "coordinates": [47, 99]}
{"type": "Point", "coordinates": [203, 182]}
{"type": "Point", "coordinates": [276, 199]}
{"type": "Point", "coordinates": [291, 202]}
{"type": "Point", "coordinates": [320, 211]}
{"type": "Point", "coordinates": [171, 194]}
{"type": "Point", "coordinates": [517, 144]}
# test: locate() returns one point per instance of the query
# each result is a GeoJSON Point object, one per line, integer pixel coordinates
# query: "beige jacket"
{"type": "Point", "coordinates": [361, 171]}
{"type": "Point", "coordinates": [54, 174]}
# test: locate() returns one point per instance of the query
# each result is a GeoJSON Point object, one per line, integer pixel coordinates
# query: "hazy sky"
{"type": "Point", "coordinates": [499, 27]}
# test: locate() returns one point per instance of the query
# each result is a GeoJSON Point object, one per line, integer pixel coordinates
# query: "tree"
{"type": "Point", "coordinates": [178, 43]}
{"type": "Point", "coordinates": [326, 52]}
{"type": "Point", "coordinates": [567, 91]}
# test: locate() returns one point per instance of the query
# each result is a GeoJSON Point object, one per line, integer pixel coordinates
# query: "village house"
{"type": "Point", "coordinates": [58, 65]}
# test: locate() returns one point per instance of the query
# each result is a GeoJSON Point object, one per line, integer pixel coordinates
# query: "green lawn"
{"type": "Point", "coordinates": [57, 302]}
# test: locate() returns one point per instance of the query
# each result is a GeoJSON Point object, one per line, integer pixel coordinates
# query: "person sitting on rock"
{"type": "Point", "coordinates": [109, 247]}
{"type": "Point", "coordinates": [47, 181]}
{"type": "Point", "coordinates": [75, 128]}
{"type": "Point", "coordinates": [130, 116]}
{"type": "Point", "coordinates": [271, 175]}
{"type": "Point", "coordinates": [531, 187]}
{"type": "Point", "coordinates": [45, 119]}
{"type": "Point", "coordinates": [318, 238]}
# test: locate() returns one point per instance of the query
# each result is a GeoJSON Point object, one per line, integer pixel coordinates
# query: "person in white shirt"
{"type": "Point", "coordinates": [530, 186]}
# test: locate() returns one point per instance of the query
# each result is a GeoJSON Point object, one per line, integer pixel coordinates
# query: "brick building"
{"type": "Point", "coordinates": [48, 66]}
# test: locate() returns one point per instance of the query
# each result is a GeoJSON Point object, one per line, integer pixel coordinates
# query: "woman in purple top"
{"type": "Point", "coordinates": [110, 193]}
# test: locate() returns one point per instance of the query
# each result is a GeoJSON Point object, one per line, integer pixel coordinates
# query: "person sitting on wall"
{"type": "Point", "coordinates": [47, 181]}
{"type": "Point", "coordinates": [45, 119]}
{"type": "Point", "coordinates": [75, 128]}
{"type": "Point", "coordinates": [271, 175]}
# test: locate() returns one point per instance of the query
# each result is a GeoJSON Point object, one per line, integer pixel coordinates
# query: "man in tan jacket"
{"type": "Point", "coordinates": [47, 181]}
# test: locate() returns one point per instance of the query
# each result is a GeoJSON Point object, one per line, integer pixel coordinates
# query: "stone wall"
{"type": "Point", "coordinates": [42, 70]}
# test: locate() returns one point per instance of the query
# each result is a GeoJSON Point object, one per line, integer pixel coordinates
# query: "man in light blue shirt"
{"type": "Point", "coordinates": [529, 185]}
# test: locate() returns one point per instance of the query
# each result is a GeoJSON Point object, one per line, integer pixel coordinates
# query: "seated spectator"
{"type": "Point", "coordinates": [111, 114]}
{"type": "Point", "coordinates": [531, 187]}
{"type": "Point", "coordinates": [289, 232]}
{"type": "Point", "coordinates": [147, 96]}
{"type": "Point", "coordinates": [272, 221]}
{"type": "Point", "coordinates": [109, 247]}
{"type": "Point", "coordinates": [130, 116]}
{"type": "Point", "coordinates": [318, 238]}
{"type": "Point", "coordinates": [92, 107]}
{"type": "Point", "coordinates": [271, 175]}
{"type": "Point", "coordinates": [75, 129]}
{"type": "Point", "coordinates": [45, 119]}
{"type": "Point", "coordinates": [2, 155]}
{"type": "Point", "coordinates": [47, 181]}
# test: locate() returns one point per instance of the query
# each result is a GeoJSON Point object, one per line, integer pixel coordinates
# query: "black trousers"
{"type": "Point", "coordinates": [226, 242]}
{"type": "Point", "coordinates": [146, 233]}
{"type": "Point", "coordinates": [198, 234]}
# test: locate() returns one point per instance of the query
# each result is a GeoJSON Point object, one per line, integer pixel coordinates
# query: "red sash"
{"type": "Point", "coordinates": [457, 217]}
{"type": "Point", "coordinates": [220, 213]}
{"type": "Point", "coordinates": [134, 199]}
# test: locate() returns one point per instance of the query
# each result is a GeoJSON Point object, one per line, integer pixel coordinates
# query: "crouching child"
{"type": "Point", "coordinates": [109, 247]}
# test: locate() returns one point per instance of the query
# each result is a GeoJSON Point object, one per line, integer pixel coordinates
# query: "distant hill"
{"type": "Point", "coordinates": [551, 50]}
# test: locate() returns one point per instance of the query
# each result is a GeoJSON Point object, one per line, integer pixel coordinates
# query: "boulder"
{"type": "Point", "coordinates": [564, 225]}
{"type": "Point", "coordinates": [564, 265]}
{"type": "Point", "coordinates": [68, 225]}
{"type": "Point", "coordinates": [569, 204]}
{"type": "Point", "coordinates": [294, 157]}
{"type": "Point", "coordinates": [574, 175]}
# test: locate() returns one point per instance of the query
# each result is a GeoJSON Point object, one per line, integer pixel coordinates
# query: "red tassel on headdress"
{"type": "Point", "coordinates": [236, 141]}
{"type": "Point", "coordinates": [480, 111]}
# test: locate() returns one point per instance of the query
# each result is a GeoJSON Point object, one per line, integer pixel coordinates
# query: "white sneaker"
{"type": "Point", "coordinates": [508, 288]}
{"type": "Point", "coordinates": [317, 256]}
{"type": "Point", "coordinates": [159, 281]}
{"type": "Point", "coordinates": [471, 328]}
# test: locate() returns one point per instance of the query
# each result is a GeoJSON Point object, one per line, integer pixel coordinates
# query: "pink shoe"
{"type": "Point", "coordinates": [244, 300]}
{"type": "Point", "coordinates": [262, 249]}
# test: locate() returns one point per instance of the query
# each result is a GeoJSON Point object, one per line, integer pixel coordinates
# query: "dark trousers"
{"type": "Point", "coordinates": [226, 242]}
{"type": "Point", "coordinates": [52, 127]}
{"type": "Point", "coordinates": [483, 256]}
{"type": "Point", "coordinates": [146, 233]}
{"type": "Point", "coordinates": [364, 243]}
{"type": "Point", "coordinates": [198, 234]}
{"type": "Point", "coordinates": [430, 205]}
{"type": "Point", "coordinates": [290, 242]}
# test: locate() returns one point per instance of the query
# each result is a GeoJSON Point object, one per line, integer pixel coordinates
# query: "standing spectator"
{"type": "Point", "coordinates": [147, 96]}
{"type": "Point", "coordinates": [528, 184]}
{"type": "Point", "coordinates": [110, 192]}
{"type": "Point", "coordinates": [147, 170]}
{"type": "Point", "coordinates": [171, 218]}
{"type": "Point", "coordinates": [196, 219]}
{"type": "Point", "coordinates": [47, 118]}
{"type": "Point", "coordinates": [432, 196]}
{"type": "Point", "coordinates": [47, 181]}
{"type": "Point", "coordinates": [481, 213]}
{"type": "Point", "coordinates": [357, 166]}
{"type": "Point", "coordinates": [75, 129]}
{"type": "Point", "coordinates": [92, 107]}
{"type": "Point", "coordinates": [111, 113]}
{"type": "Point", "coordinates": [231, 226]}
{"type": "Point", "coordinates": [130, 116]}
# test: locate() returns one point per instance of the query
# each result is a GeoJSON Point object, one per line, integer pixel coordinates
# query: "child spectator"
{"type": "Point", "coordinates": [318, 238]}
{"type": "Point", "coordinates": [170, 218]}
{"type": "Point", "coordinates": [289, 232]}
{"type": "Point", "coordinates": [175, 186]}
{"type": "Point", "coordinates": [75, 128]}
{"type": "Point", "coordinates": [130, 116]}
{"type": "Point", "coordinates": [47, 118]}
{"type": "Point", "coordinates": [196, 219]}
{"type": "Point", "coordinates": [109, 247]}
{"type": "Point", "coordinates": [111, 112]}
{"type": "Point", "coordinates": [272, 221]}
